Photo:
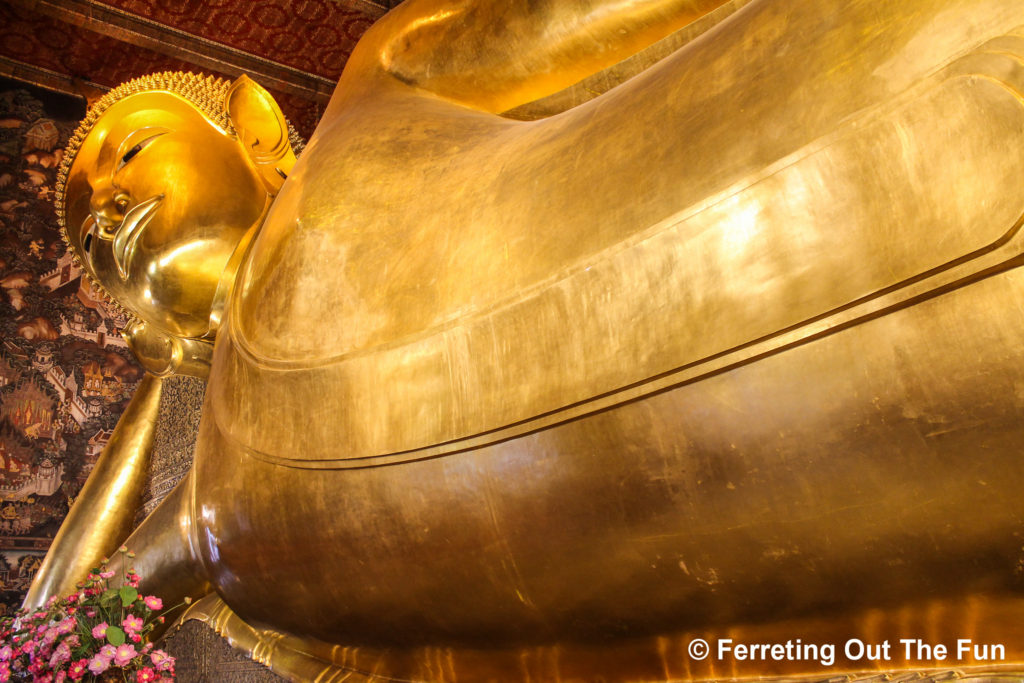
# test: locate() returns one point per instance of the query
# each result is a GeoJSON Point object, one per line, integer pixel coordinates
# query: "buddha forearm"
{"type": "Point", "coordinates": [164, 555]}
{"type": "Point", "coordinates": [105, 509]}
{"type": "Point", "coordinates": [497, 55]}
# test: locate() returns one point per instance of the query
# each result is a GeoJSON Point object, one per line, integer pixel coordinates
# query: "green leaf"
{"type": "Point", "coordinates": [115, 636]}
{"type": "Point", "coordinates": [107, 598]}
{"type": "Point", "coordinates": [128, 595]}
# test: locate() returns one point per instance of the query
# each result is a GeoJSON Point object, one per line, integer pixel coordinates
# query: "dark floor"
{"type": "Point", "coordinates": [204, 657]}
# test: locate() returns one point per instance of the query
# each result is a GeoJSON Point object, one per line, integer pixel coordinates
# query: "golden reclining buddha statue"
{"type": "Point", "coordinates": [581, 329]}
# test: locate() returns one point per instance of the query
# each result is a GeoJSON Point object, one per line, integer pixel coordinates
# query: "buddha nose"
{"type": "Point", "coordinates": [108, 207]}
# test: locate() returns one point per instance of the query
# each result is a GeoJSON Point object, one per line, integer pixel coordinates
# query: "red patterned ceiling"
{"type": "Point", "coordinates": [297, 49]}
{"type": "Point", "coordinates": [39, 40]}
{"type": "Point", "coordinates": [315, 36]}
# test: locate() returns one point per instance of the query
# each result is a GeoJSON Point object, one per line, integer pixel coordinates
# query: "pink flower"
{"type": "Point", "coordinates": [66, 626]}
{"type": "Point", "coordinates": [153, 602]}
{"type": "Point", "coordinates": [107, 651]}
{"type": "Point", "coordinates": [6, 653]}
{"type": "Point", "coordinates": [78, 669]}
{"type": "Point", "coordinates": [5, 674]}
{"type": "Point", "coordinates": [28, 646]}
{"type": "Point", "coordinates": [109, 574]}
{"type": "Point", "coordinates": [161, 660]}
{"type": "Point", "coordinates": [90, 612]}
{"type": "Point", "coordinates": [98, 664]}
{"type": "Point", "coordinates": [125, 653]}
{"type": "Point", "coordinates": [132, 624]}
{"type": "Point", "coordinates": [100, 630]}
{"type": "Point", "coordinates": [145, 675]}
{"type": "Point", "coordinates": [61, 655]}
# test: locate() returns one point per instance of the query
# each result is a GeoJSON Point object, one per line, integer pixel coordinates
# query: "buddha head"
{"type": "Point", "coordinates": [161, 188]}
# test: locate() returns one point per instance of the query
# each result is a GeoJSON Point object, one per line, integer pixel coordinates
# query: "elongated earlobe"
{"type": "Point", "coordinates": [262, 130]}
{"type": "Point", "coordinates": [163, 354]}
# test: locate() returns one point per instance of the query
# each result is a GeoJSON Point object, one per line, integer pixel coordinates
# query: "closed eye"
{"type": "Point", "coordinates": [89, 236]}
{"type": "Point", "coordinates": [131, 153]}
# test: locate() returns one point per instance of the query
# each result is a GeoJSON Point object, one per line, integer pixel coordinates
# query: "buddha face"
{"type": "Point", "coordinates": [158, 200]}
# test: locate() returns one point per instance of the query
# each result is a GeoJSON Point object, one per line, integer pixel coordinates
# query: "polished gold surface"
{"type": "Point", "coordinates": [656, 658]}
{"type": "Point", "coordinates": [734, 345]}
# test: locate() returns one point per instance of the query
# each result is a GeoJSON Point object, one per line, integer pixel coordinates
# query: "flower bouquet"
{"type": "Point", "coordinates": [99, 633]}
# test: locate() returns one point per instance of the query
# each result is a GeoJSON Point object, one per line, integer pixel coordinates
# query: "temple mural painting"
{"type": "Point", "coordinates": [65, 372]}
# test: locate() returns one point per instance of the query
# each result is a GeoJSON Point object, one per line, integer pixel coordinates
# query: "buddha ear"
{"type": "Point", "coordinates": [262, 130]}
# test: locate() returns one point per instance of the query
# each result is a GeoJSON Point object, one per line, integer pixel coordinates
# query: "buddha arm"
{"type": "Point", "coordinates": [498, 54]}
{"type": "Point", "coordinates": [164, 548]}
{"type": "Point", "coordinates": [104, 512]}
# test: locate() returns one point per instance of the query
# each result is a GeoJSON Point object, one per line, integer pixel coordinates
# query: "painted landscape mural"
{"type": "Point", "coordinates": [65, 372]}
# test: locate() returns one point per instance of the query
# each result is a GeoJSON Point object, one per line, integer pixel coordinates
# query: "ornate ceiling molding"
{"type": "Point", "coordinates": [48, 79]}
{"type": "Point", "coordinates": [203, 53]}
